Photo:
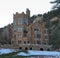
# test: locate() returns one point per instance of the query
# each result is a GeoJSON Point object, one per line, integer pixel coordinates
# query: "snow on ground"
{"type": "Point", "coordinates": [30, 52]}
{"type": "Point", "coordinates": [53, 53]}
{"type": "Point", "coordinates": [23, 54]}
{"type": "Point", "coordinates": [33, 52]}
{"type": "Point", "coordinates": [6, 51]}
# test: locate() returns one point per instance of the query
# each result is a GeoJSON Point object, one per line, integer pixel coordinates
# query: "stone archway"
{"type": "Point", "coordinates": [26, 48]}
{"type": "Point", "coordinates": [20, 48]}
{"type": "Point", "coordinates": [41, 49]}
{"type": "Point", "coordinates": [30, 48]}
{"type": "Point", "coordinates": [48, 49]}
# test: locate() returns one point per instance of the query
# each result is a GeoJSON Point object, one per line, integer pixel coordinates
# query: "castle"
{"type": "Point", "coordinates": [29, 36]}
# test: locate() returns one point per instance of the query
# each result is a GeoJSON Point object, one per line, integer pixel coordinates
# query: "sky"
{"type": "Point", "coordinates": [10, 7]}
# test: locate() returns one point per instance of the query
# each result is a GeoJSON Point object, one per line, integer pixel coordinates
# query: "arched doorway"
{"type": "Point", "coordinates": [20, 48]}
{"type": "Point", "coordinates": [26, 48]}
{"type": "Point", "coordinates": [48, 49]}
{"type": "Point", "coordinates": [30, 48]}
{"type": "Point", "coordinates": [41, 49]}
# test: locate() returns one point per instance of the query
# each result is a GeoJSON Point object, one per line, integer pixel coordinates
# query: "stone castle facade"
{"type": "Point", "coordinates": [29, 36]}
{"type": "Point", "coordinates": [24, 35]}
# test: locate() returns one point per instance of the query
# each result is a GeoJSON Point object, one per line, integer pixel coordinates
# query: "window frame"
{"type": "Point", "coordinates": [19, 21]}
{"type": "Point", "coordinates": [19, 29]}
{"type": "Point", "coordinates": [25, 21]}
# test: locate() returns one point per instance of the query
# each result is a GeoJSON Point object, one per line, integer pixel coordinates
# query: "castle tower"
{"type": "Point", "coordinates": [28, 15]}
{"type": "Point", "coordinates": [28, 12]}
{"type": "Point", "coordinates": [20, 27]}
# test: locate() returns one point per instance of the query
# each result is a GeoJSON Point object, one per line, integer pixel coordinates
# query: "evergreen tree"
{"type": "Point", "coordinates": [57, 4]}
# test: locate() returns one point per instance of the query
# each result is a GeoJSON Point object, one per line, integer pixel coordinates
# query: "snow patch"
{"type": "Point", "coordinates": [6, 51]}
{"type": "Point", "coordinates": [46, 53]}
{"type": "Point", "coordinates": [23, 54]}
{"type": "Point", "coordinates": [53, 53]}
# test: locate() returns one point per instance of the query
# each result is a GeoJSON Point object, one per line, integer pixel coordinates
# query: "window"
{"type": "Point", "coordinates": [19, 29]}
{"type": "Point", "coordinates": [46, 36]}
{"type": "Point", "coordinates": [14, 22]}
{"type": "Point", "coordinates": [25, 35]}
{"type": "Point", "coordinates": [19, 42]}
{"type": "Point", "coordinates": [12, 42]}
{"type": "Point", "coordinates": [24, 42]}
{"type": "Point", "coordinates": [19, 21]}
{"type": "Point", "coordinates": [38, 42]}
{"type": "Point", "coordinates": [19, 35]}
{"type": "Point", "coordinates": [14, 29]}
{"type": "Point", "coordinates": [44, 43]}
{"type": "Point", "coordinates": [38, 34]}
{"type": "Point", "coordinates": [25, 21]}
{"type": "Point", "coordinates": [28, 41]}
{"type": "Point", "coordinates": [14, 35]}
{"type": "Point", "coordinates": [25, 30]}
{"type": "Point", "coordinates": [44, 31]}
{"type": "Point", "coordinates": [36, 29]}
